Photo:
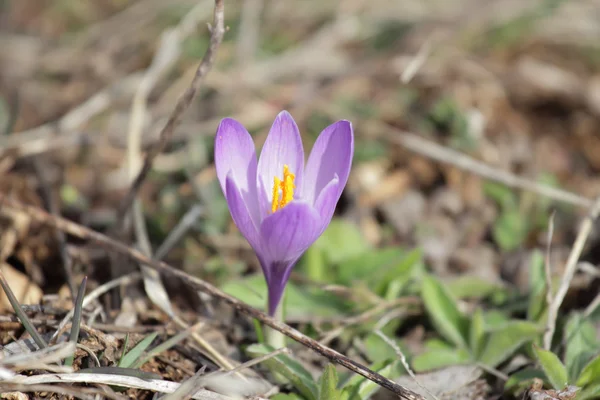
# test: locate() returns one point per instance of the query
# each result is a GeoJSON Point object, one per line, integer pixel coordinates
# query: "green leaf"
{"type": "Point", "coordinates": [579, 363]}
{"type": "Point", "coordinates": [553, 368]}
{"type": "Point", "coordinates": [473, 287]}
{"type": "Point", "coordinates": [436, 359]}
{"type": "Point", "coordinates": [393, 278]}
{"type": "Point", "coordinates": [360, 388]}
{"type": "Point", "coordinates": [495, 319]}
{"type": "Point", "coordinates": [501, 342]}
{"type": "Point", "coordinates": [328, 384]}
{"type": "Point", "coordinates": [287, 396]}
{"type": "Point", "coordinates": [341, 241]}
{"type": "Point", "coordinates": [590, 392]}
{"type": "Point", "coordinates": [291, 369]}
{"type": "Point", "coordinates": [537, 272]}
{"type": "Point", "coordinates": [581, 344]}
{"type": "Point", "coordinates": [536, 307]}
{"type": "Point", "coordinates": [129, 359]}
{"type": "Point", "coordinates": [443, 311]}
{"type": "Point", "coordinates": [523, 379]}
{"type": "Point", "coordinates": [510, 230]}
{"type": "Point", "coordinates": [501, 194]}
{"type": "Point", "coordinates": [590, 373]}
{"type": "Point", "coordinates": [354, 269]}
{"type": "Point", "coordinates": [314, 265]}
{"type": "Point", "coordinates": [380, 260]}
{"type": "Point", "coordinates": [476, 333]}
{"type": "Point", "coordinates": [377, 350]}
{"type": "Point", "coordinates": [439, 354]}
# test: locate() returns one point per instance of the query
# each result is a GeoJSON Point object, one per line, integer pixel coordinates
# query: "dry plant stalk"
{"type": "Point", "coordinates": [446, 155]}
{"type": "Point", "coordinates": [203, 286]}
{"type": "Point", "coordinates": [570, 269]}
{"type": "Point", "coordinates": [216, 37]}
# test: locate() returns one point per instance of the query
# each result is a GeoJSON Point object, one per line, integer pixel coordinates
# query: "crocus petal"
{"type": "Point", "coordinates": [235, 153]}
{"type": "Point", "coordinates": [282, 147]}
{"type": "Point", "coordinates": [331, 154]}
{"type": "Point", "coordinates": [264, 200]}
{"type": "Point", "coordinates": [276, 281]}
{"type": "Point", "coordinates": [287, 233]}
{"type": "Point", "coordinates": [240, 213]}
{"type": "Point", "coordinates": [327, 200]}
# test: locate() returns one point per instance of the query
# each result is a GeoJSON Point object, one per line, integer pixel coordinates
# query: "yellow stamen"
{"type": "Point", "coordinates": [276, 187]}
{"type": "Point", "coordinates": [287, 190]}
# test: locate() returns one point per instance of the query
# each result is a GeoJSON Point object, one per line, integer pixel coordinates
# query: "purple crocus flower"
{"type": "Point", "coordinates": [279, 205]}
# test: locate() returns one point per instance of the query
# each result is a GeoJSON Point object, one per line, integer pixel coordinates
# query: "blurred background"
{"type": "Point", "coordinates": [439, 93]}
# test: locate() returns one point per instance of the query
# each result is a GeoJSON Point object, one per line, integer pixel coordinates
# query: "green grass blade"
{"type": "Point", "coordinates": [76, 322]}
{"type": "Point", "coordinates": [166, 345]}
{"type": "Point", "coordinates": [21, 315]}
{"type": "Point", "coordinates": [124, 349]}
{"type": "Point", "coordinates": [130, 358]}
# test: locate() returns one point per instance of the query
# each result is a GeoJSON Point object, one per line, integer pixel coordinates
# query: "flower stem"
{"type": "Point", "coordinates": [275, 338]}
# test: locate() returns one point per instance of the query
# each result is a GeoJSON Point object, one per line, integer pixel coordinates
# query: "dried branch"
{"type": "Point", "coordinates": [548, 270]}
{"type": "Point", "coordinates": [66, 391]}
{"type": "Point", "coordinates": [200, 285]}
{"type": "Point", "coordinates": [570, 268]}
{"type": "Point", "coordinates": [443, 154]}
{"type": "Point", "coordinates": [165, 57]}
{"type": "Point", "coordinates": [217, 33]}
{"type": "Point", "coordinates": [403, 360]}
{"type": "Point", "coordinates": [97, 292]}
{"type": "Point", "coordinates": [155, 385]}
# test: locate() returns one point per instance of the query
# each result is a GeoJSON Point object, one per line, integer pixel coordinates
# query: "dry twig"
{"type": "Point", "coordinates": [403, 360]}
{"type": "Point", "coordinates": [443, 154]}
{"type": "Point", "coordinates": [548, 268]}
{"type": "Point", "coordinates": [203, 286]}
{"type": "Point", "coordinates": [570, 268]}
{"type": "Point", "coordinates": [217, 33]}
{"type": "Point", "coordinates": [155, 385]}
{"type": "Point", "coordinates": [77, 393]}
{"type": "Point", "coordinates": [97, 292]}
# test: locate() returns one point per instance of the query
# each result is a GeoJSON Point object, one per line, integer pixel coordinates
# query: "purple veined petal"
{"type": "Point", "coordinates": [264, 265]}
{"type": "Point", "coordinates": [240, 213]}
{"type": "Point", "coordinates": [327, 200]}
{"type": "Point", "coordinates": [235, 153]}
{"type": "Point", "coordinates": [264, 199]}
{"type": "Point", "coordinates": [282, 147]}
{"type": "Point", "coordinates": [331, 154]}
{"type": "Point", "coordinates": [287, 233]}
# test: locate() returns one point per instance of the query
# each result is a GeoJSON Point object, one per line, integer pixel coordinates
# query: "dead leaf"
{"type": "Point", "coordinates": [24, 289]}
{"type": "Point", "coordinates": [456, 383]}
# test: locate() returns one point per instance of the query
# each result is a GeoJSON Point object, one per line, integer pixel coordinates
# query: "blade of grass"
{"type": "Point", "coordinates": [167, 344]}
{"type": "Point", "coordinates": [20, 314]}
{"type": "Point", "coordinates": [76, 322]}
{"type": "Point", "coordinates": [129, 359]}
{"type": "Point", "coordinates": [124, 349]}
